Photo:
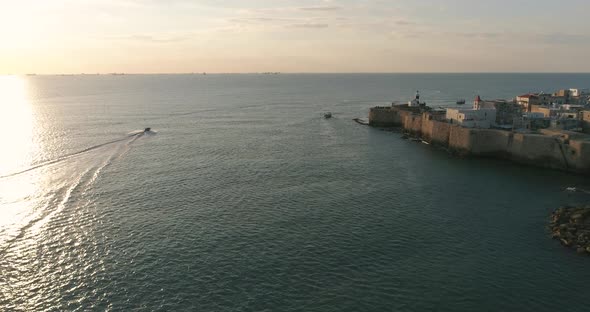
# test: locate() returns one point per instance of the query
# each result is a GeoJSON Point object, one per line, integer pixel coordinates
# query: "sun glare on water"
{"type": "Point", "coordinates": [17, 146]}
{"type": "Point", "coordinates": [16, 125]}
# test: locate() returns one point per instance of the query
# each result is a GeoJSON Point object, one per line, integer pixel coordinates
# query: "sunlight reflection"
{"type": "Point", "coordinates": [17, 146]}
{"type": "Point", "coordinates": [16, 125]}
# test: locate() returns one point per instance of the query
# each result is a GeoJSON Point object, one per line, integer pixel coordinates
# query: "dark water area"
{"type": "Point", "coordinates": [243, 198]}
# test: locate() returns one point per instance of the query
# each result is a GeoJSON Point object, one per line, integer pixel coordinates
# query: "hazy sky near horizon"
{"type": "Point", "coordinates": [154, 36]}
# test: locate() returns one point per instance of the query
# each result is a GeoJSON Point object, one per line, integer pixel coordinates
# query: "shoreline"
{"type": "Point", "coordinates": [560, 150]}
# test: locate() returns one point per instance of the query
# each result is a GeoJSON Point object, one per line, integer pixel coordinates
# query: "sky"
{"type": "Point", "coordinates": [215, 36]}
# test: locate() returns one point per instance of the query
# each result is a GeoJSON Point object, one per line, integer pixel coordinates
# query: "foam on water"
{"type": "Point", "coordinates": [127, 141]}
{"type": "Point", "coordinates": [56, 181]}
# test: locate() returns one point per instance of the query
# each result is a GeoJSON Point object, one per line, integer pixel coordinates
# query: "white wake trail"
{"type": "Point", "coordinates": [31, 198]}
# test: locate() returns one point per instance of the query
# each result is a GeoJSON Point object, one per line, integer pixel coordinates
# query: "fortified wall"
{"type": "Point", "coordinates": [390, 116]}
{"type": "Point", "coordinates": [562, 150]}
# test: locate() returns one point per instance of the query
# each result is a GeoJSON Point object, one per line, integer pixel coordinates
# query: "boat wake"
{"type": "Point", "coordinates": [573, 189]}
{"type": "Point", "coordinates": [54, 190]}
{"type": "Point", "coordinates": [130, 138]}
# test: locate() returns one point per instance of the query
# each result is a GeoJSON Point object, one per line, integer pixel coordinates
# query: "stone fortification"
{"type": "Point", "coordinates": [390, 116]}
{"type": "Point", "coordinates": [558, 150]}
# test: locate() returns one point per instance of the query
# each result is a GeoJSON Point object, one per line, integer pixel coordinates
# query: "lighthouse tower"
{"type": "Point", "coordinates": [416, 101]}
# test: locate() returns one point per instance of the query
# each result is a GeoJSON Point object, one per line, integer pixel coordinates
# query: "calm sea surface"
{"type": "Point", "coordinates": [244, 198]}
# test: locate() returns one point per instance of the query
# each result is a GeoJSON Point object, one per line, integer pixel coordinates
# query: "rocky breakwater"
{"type": "Point", "coordinates": [571, 226]}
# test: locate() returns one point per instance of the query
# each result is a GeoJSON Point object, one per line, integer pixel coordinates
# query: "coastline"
{"type": "Point", "coordinates": [561, 150]}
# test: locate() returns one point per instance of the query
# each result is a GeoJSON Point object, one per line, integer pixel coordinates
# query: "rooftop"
{"type": "Point", "coordinates": [528, 95]}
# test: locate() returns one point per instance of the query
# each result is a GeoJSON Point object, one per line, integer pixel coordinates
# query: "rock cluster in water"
{"type": "Point", "coordinates": [571, 226]}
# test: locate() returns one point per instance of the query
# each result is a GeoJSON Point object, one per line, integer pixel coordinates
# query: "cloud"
{"type": "Point", "coordinates": [563, 38]}
{"type": "Point", "coordinates": [404, 23]}
{"type": "Point", "coordinates": [321, 8]}
{"type": "Point", "coordinates": [252, 20]}
{"type": "Point", "coordinates": [292, 22]}
{"type": "Point", "coordinates": [476, 35]}
{"type": "Point", "coordinates": [553, 39]}
{"type": "Point", "coordinates": [289, 10]}
{"type": "Point", "coordinates": [309, 25]}
{"type": "Point", "coordinates": [150, 38]}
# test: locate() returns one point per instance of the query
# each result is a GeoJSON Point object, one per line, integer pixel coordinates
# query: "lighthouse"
{"type": "Point", "coordinates": [416, 101]}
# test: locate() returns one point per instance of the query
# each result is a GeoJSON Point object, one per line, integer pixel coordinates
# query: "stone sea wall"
{"type": "Point", "coordinates": [437, 133]}
{"type": "Point", "coordinates": [412, 123]}
{"type": "Point", "coordinates": [389, 116]}
{"type": "Point", "coordinates": [548, 149]}
{"type": "Point", "coordinates": [384, 117]}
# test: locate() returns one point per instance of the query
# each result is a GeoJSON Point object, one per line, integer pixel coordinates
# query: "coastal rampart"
{"type": "Point", "coordinates": [549, 149]}
{"type": "Point", "coordinates": [390, 116]}
{"type": "Point", "coordinates": [413, 123]}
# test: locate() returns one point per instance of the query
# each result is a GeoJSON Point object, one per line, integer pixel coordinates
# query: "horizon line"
{"type": "Point", "coordinates": [277, 73]}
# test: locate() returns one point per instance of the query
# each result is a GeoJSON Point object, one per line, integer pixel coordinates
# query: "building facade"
{"type": "Point", "coordinates": [480, 116]}
{"type": "Point", "coordinates": [585, 116]}
{"type": "Point", "coordinates": [547, 111]}
{"type": "Point", "coordinates": [526, 100]}
{"type": "Point", "coordinates": [566, 123]}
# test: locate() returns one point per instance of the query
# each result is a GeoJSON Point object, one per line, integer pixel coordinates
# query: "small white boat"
{"type": "Point", "coordinates": [570, 189]}
{"type": "Point", "coordinates": [361, 121]}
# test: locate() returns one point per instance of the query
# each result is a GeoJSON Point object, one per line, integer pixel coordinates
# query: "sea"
{"type": "Point", "coordinates": [242, 197]}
